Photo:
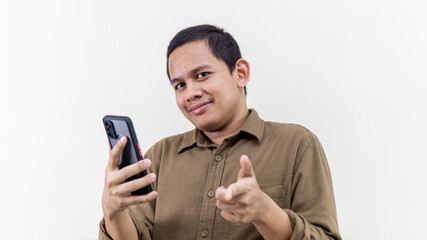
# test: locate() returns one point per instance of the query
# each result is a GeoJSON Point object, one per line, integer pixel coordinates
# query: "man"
{"type": "Point", "coordinates": [234, 176]}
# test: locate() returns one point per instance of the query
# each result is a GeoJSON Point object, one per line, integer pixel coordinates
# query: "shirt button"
{"type": "Point", "coordinates": [211, 194]}
{"type": "Point", "coordinates": [218, 158]}
{"type": "Point", "coordinates": [205, 233]}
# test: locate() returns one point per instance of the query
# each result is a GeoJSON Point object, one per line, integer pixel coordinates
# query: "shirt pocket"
{"type": "Point", "coordinates": [275, 192]}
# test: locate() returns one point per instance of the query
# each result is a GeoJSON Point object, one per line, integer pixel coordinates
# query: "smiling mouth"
{"type": "Point", "coordinates": [199, 108]}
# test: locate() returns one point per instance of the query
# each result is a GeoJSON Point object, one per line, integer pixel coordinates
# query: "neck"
{"type": "Point", "coordinates": [232, 128]}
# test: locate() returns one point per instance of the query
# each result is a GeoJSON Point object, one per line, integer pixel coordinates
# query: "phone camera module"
{"type": "Point", "coordinates": [110, 129]}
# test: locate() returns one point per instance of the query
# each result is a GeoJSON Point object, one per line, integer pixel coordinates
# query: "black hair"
{"type": "Point", "coordinates": [221, 44]}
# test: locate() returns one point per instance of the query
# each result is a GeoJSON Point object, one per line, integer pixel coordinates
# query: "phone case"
{"type": "Point", "coordinates": [116, 127]}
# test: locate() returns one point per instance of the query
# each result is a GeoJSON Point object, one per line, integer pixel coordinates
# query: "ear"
{"type": "Point", "coordinates": [242, 72]}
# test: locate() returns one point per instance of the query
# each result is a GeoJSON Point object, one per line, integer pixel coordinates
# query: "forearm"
{"type": "Point", "coordinates": [120, 226]}
{"type": "Point", "coordinates": [273, 223]}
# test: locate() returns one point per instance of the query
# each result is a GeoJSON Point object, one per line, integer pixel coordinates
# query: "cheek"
{"type": "Point", "coordinates": [222, 90]}
{"type": "Point", "coordinates": [180, 102]}
{"type": "Point", "coordinates": [215, 88]}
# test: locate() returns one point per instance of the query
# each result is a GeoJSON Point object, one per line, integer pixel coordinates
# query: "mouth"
{"type": "Point", "coordinates": [199, 108]}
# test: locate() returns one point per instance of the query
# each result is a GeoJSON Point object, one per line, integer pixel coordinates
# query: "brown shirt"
{"type": "Point", "coordinates": [289, 164]}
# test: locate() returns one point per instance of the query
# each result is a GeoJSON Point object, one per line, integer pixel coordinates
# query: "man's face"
{"type": "Point", "coordinates": [206, 93]}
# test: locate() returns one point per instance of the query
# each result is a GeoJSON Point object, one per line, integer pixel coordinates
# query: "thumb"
{"type": "Point", "coordinates": [246, 169]}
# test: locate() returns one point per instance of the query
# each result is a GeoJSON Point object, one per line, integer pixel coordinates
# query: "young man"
{"type": "Point", "coordinates": [234, 176]}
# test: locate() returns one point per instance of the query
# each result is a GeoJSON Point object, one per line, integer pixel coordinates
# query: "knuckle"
{"type": "Point", "coordinates": [124, 172]}
{"type": "Point", "coordinates": [113, 153]}
{"type": "Point", "coordinates": [142, 182]}
{"type": "Point", "coordinates": [121, 202]}
{"type": "Point", "coordinates": [109, 182]}
{"type": "Point", "coordinates": [147, 179]}
{"type": "Point", "coordinates": [135, 201]}
{"type": "Point", "coordinates": [116, 150]}
{"type": "Point", "coordinates": [244, 202]}
{"type": "Point", "coordinates": [239, 219]}
{"type": "Point", "coordinates": [114, 192]}
{"type": "Point", "coordinates": [143, 199]}
{"type": "Point", "coordinates": [133, 185]}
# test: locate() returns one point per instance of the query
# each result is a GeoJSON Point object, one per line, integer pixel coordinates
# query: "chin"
{"type": "Point", "coordinates": [208, 126]}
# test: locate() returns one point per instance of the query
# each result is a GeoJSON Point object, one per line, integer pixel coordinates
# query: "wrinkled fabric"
{"type": "Point", "coordinates": [289, 164]}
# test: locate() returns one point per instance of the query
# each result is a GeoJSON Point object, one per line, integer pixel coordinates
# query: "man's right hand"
{"type": "Point", "coordinates": [117, 197]}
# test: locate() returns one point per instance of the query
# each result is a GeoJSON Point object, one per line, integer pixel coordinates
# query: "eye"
{"type": "Point", "coordinates": [202, 75]}
{"type": "Point", "coordinates": [179, 86]}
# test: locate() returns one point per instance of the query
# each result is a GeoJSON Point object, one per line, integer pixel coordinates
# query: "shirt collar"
{"type": "Point", "coordinates": [253, 125]}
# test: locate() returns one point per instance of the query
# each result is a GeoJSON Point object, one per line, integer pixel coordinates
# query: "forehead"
{"type": "Point", "coordinates": [190, 55]}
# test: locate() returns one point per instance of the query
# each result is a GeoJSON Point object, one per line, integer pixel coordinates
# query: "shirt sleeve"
{"type": "Point", "coordinates": [313, 212]}
{"type": "Point", "coordinates": [103, 234]}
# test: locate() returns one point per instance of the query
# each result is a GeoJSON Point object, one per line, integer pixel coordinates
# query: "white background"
{"type": "Point", "coordinates": [354, 72]}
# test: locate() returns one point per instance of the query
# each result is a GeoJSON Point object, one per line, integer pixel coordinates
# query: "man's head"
{"type": "Point", "coordinates": [221, 44]}
{"type": "Point", "coordinates": [209, 91]}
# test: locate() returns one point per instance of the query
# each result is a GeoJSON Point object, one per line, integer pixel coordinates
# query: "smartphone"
{"type": "Point", "coordinates": [117, 127]}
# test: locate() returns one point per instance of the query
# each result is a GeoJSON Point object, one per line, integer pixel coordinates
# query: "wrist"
{"type": "Point", "coordinates": [273, 222]}
{"type": "Point", "coordinates": [113, 215]}
{"type": "Point", "coordinates": [265, 210]}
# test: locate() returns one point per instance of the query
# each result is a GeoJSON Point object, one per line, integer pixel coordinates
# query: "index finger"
{"type": "Point", "coordinates": [115, 153]}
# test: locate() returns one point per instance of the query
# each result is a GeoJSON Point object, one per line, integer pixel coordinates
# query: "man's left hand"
{"type": "Point", "coordinates": [242, 201]}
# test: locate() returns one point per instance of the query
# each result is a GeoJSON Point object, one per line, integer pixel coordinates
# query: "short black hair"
{"type": "Point", "coordinates": [222, 44]}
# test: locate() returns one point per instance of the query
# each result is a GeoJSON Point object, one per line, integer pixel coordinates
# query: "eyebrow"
{"type": "Point", "coordinates": [192, 72]}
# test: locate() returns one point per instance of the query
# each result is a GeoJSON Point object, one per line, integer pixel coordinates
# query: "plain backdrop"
{"type": "Point", "coordinates": [353, 72]}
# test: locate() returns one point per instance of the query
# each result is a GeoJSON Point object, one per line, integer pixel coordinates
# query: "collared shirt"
{"type": "Point", "coordinates": [289, 164]}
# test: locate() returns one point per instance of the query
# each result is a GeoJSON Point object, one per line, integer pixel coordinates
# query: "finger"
{"type": "Point", "coordinates": [228, 206]}
{"type": "Point", "coordinates": [220, 193]}
{"type": "Point", "coordinates": [133, 169]}
{"type": "Point", "coordinates": [228, 216]}
{"type": "Point", "coordinates": [115, 153]}
{"type": "Point", "coordinates": [232, 217]}
{"type": "Point", "coordinates": [238, 188]}
{"type": "Point", "coordinates": [246, 167]}
{"type": "Point", "coordinates": [224, 194]}
{"type": "Point", "coordinates": [134, 200]}
{"type": "Point", "coordinates": [232, 191]}
{"type": "Point", "coordinates": [127, 187]}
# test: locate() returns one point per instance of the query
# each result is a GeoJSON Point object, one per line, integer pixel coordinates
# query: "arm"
{"type": "Point", "coordinates": [312, 210]}
{"type": "Point", "coordinates": [117, 195]}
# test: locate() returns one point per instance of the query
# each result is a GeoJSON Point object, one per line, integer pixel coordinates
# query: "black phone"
{"type": "Point", "coordinates": [116, 127]}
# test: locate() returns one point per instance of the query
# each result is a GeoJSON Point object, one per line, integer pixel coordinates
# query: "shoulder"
{"type": "Point", "coordinates": [294, 136]}
{"type": "Point", "coordinates": [288, 130]}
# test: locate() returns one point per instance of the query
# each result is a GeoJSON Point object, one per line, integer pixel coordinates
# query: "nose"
{"type": "Point", "coordinates": [193, 92]}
